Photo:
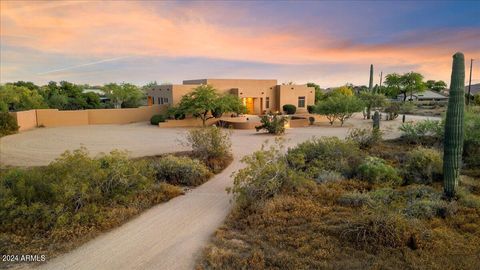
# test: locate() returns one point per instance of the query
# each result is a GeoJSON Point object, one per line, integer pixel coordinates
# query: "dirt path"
{"type": "Point", "coordinates": [169, 235]}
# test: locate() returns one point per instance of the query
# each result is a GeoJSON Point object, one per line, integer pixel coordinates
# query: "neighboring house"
{"type": "Point", "coordinates": [259, 96]}
{"type": "Point", "coordinates": [427, 95]}
{"type": "Point", "coordinates": [475, 89]}
{"type": "Point", "coordinates": [103, 96]}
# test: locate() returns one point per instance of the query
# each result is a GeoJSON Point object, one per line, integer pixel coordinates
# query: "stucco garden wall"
{"type": "Point", "coordinates": [26, 119]}
{"type": "Point", "coordinates": [55, 118]}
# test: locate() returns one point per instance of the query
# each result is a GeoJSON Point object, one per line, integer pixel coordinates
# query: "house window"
{"type": "Point", "coordinates": [153, 100]}
{"type": "Point", "coordinates": [165, 100]}
{"type": "Point", "coordinates": [301, 102]}
{"type": "Point", "coordinates": [159, 101]}
{"type": "Point", "coordinates": [267, 102]}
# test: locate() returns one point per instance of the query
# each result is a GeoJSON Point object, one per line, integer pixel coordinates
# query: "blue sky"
{"type": "Point", "coordinates": [330, 43]}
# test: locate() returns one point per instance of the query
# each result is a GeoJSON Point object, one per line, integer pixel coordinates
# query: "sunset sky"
{"type": "Point", "coordinates": [330, 43]}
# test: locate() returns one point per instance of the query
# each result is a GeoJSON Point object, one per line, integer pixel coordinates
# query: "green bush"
{"type": "Point", "coordinates": [156, 119]}
{"type": "Point", "coordinates": [273, 124]}
{"type": "Point", "coordinates": [266, 174]}
{"type": "Point", "coordinates": [181, 170]}
{"type": "Point", "coordinates": [71, 190]}
{"type": "Point", "coordinates": [376, 170]}
{"type": "Point", "coordinates": [311, 120]}
{"type": "Point", "coordinates": [289, 108]}
{"type": "Point", "coordinates": [419, 132]}
{"type": "Point", "coordinates": [327, 153]}
{"type": "Point", "coordinates": [311, 108]}
{"type": "Point", "coordinates": [423, 166]}
{"type": "Point", "coordinates": [471, 147]}
{"type": "Point", "coordinates": [365, 137]}
{"type": "Point", "coordinates": [8, 124]}
{"type": "Point", "coordinates": [212, 145]}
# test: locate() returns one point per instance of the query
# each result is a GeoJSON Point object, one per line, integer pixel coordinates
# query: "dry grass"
{"type": "Point", "coordinates": [313, 227]}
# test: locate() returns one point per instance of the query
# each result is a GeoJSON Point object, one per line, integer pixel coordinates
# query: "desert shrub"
{"type": "Point", "coordinates": [311, 120]}
{"type": "Point", "coordinates": [365, 137]}
{"type": "Point", "coordinates": [70, 189]}
{"type": "Point", "coordinates": [467, 199]}
{"type": "Point", "coordinates": [423, 166]}
{"type": "Point", "coordinates": [374, 231]}
{"type": "Point", "coordinates": [311, 108]}
{"type": "Point", "coordinates": [376, 170]}
{"type": "Point", "coordinates": [327, 153]}
{"type": "Point", "coordinates": [384, 195]}
{"type": "Point", "coordinates": [422, 131]}
{"type": "Point", "coordinates": [427, 209]}
{"type": "Point", "coordinates": [156, 119]}
{"type": "Point", "coordinates": [407, 107]}
{"type": "Point", "coordinates": [8, 124]}
{"type": "Point", "coordinates": [325, 176]}
{"type": "Point", "coordinates": [212, 145]}
{"type": "Point", "coordinates": [289, 108]}
{"type": "Point", "coordinates": [273, 124]}
{"type": "Point", "coordinates": [181, 170]}
{"type": "Point", "coordinates": [266, 174]}
{"type": "Point", "coordinates": [392, 110]}
{"type": "Point", "coordinates": [471, 147]}
{"type": "Point", "coordinates": [354, 199]}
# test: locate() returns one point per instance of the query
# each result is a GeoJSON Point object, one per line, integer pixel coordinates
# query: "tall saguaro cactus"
{"type": "Point", "coordinates": [370, 84]}
{"type": "Point", "coordinates": [454, 127]}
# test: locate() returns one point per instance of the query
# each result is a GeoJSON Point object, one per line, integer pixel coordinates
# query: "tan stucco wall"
{"type": "Point", "coordinates": [124, 116]}
{"type": "Point", "coordinates": [56, 118]}
{"type": "Point", "coordinates": [26, 120]}
{"type": "Point", "coordinates": [288, 94]}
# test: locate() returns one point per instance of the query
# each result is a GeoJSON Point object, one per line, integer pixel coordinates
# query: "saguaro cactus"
{"type": "Point", "coordinates": [376, 120]}
{"type": "Point", "coordinates": [454, 127]}
{"type": "Point", "coordinates": [370, 84]}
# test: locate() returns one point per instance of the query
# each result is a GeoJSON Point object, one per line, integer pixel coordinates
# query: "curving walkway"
{"type": "Point", "coordinates": [169, 235]}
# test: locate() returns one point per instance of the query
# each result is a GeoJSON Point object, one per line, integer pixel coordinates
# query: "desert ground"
{"type": "Point", "coordinates": [169, 235]}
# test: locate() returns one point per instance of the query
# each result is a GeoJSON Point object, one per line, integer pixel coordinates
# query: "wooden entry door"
{"type": "Point", "coordinates": [249, 105]}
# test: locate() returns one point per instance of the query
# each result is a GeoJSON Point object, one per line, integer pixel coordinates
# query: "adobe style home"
{"type": "Point", "coordinates": [259, 96]}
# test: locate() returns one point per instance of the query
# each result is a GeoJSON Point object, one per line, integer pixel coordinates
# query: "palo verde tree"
{"type": "Point", "coordinates": [454, 127]}
{"type": "Point", "coordinates": [339, 107]}
{"type": "Point", "coordinates": [205, 102]}
{"type": "Point", "coordinates": [372, 100]}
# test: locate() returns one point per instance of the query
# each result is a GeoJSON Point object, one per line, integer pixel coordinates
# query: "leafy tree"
{"type": "Point", "coordinates": [435, 85]}
{"type": "Point", "coordinates": [19, 98]}
{"type": "Point", "coordinates": [29, 85]}
{"type": "Point", "coordinates": [205, 102]}
{"type": "Point", "coordinates": [200, 102]}
{"type": "Point", "coordinates": [125, 95]}
{"type": "Point", "coordinates": [344, 90]}
{"type": "Point", "coordinates": [372, 100]}
{"type": "Point", "coordinates": [339, 107]}
{"type": "Point", "coordinates": [318, 91]}
{"type": "Point", "coordinates": [410, 82]}
{"type": "Point", "coordinates": [92, 100]}
{"type": "Point", "coordinates": [228, 103]}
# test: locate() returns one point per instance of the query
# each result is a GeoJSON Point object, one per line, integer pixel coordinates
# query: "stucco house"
{"type": "Point", "coordinates": [259, 96]}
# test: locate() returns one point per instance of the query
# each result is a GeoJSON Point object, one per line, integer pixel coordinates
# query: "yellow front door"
{"type": "Point", "coordinates": [249, 105]}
